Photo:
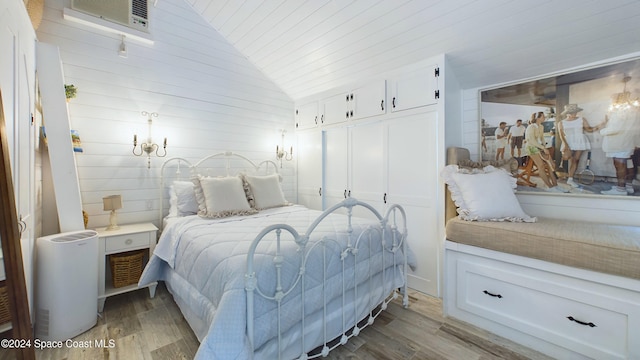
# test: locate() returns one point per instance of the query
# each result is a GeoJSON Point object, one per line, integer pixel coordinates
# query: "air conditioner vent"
{"type": "Point", "coordinates": [139, 8]}
{"type": "Point", "coordinates": [131, 13]}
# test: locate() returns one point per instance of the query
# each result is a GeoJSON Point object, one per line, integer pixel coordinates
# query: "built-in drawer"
{"type": "Point", "coordinates": [118, 243]}
{"type": "Point", "coordinates": [585, 322]}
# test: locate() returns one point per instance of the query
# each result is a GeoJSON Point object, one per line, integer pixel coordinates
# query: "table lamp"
{"type": "Point", "coordinates": [112, 203]}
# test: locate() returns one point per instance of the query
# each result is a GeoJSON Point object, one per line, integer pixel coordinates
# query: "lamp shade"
{"type": "Point", "coordinates": [112, 202]}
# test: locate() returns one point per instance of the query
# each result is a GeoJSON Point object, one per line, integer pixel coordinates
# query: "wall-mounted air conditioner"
{"type": "Point", "coordinates": [131, 13]}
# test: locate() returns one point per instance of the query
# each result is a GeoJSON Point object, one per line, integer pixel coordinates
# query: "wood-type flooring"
{"type": "Point", "coordinates": [144, 328]}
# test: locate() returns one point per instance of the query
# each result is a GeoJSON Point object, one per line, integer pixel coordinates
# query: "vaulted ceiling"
{"type": "Point", "coordinates": [308, 46]}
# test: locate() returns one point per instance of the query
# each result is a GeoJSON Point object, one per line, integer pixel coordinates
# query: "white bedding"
{"type": "Point", "coordinates": [210, 256]}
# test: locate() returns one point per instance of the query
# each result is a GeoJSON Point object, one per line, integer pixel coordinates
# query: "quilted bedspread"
{"type": "Point", "coordinates": [211, 256]}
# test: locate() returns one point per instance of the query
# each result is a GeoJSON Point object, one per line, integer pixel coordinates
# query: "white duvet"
{"type": "Point", "coordinates": [210, 255]}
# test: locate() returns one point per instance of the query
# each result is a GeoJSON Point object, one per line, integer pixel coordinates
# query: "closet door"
{"type": "Point", "coordinates": [336, 166]}
{"type": "Point", "coordinates": [366, 153]}
{"type": "Point", "coordinates": [13, 267]}
{"type": "Point", "coordinates": [414, 89]}
{"type": "Point", "coordinates": [309, 157]}
{"type": "Point", "coordinates": [25, 166]}
{"type": "Point", "coordinates": [413, 183]}
{"type": "Point", "coordinates": [368, 100]}
{"type": "Point", "coordinates": [17, 84]}
{"type": "Point", "coordinates": [307, 115]}
{"type": "Point", "coordinates": [334, 110]}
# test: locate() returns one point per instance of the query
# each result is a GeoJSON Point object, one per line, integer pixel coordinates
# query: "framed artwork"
{"type": "Point", "coordinates": [571, 133]}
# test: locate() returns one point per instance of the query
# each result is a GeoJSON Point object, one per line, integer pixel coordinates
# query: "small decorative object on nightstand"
{"type": "Point", "coordinates": [122, 243]}
{"type": "Point", "coordinates": [112, 203]}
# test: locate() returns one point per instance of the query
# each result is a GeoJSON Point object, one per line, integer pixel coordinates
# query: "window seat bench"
{"type": "Point", "coordinates": [568, 289]}
{"type": "Point", "coordinates": [612, 249]}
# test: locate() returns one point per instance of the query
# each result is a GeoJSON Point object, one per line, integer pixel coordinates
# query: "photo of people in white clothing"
{"type": "Point", "coordinates": [587, 131]}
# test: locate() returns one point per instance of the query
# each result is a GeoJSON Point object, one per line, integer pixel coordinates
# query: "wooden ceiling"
{"type": "Point", "coordinates": [309, 46]}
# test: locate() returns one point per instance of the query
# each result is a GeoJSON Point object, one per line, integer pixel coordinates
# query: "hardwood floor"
{"type": "Point", "coordinates": [144, 328]}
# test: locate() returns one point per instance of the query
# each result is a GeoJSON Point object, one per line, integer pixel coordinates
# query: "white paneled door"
{"type": "Point", "coordinates": [17, 82]}
{"type": "Point", "coordinates": [336, 166]}
{"type": "Point", "coordinates": [334, 110]}
{"type": "Point", "coordinates": [354, 165]}
{"type": "Point", "coordinates": [413, 183]}
{"type": "Point", "coordinates": [414, 89]}
{"type": "Point", "coordinates": [307, 115]}
{"type": "Point", "coordinates": [368, 100]}
{"type": "Point", "coordinates": [309, 156]}
{"type": "Point", "coordinates": [366, 153]}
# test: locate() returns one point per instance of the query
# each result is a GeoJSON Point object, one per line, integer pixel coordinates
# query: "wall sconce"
{"type": "Point", "coordinates": [149, 146]}
{"type": "Point", "coordinates": [112, 203]}
{"type": "Point", "coordinates": [281, 153]}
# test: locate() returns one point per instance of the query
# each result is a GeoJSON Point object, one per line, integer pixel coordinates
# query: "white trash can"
{"type": "Point", "coordinates": [67, 284]}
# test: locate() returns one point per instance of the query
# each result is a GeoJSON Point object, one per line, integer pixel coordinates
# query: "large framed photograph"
{"type": "Point", "coordinates": [570, 133]}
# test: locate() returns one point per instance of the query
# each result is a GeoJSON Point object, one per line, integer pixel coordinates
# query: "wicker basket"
{"type": "Point", "coordinates": [126, 268]}
{"type": "Point", "coordinates": [5, 314]}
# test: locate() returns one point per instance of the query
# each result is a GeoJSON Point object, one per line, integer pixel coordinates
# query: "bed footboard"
{"type": "Point", "coordinates": [373, 273]}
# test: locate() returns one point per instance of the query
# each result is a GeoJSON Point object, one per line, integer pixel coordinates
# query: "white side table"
{"type": "Point", "coordinates": [127, 238]}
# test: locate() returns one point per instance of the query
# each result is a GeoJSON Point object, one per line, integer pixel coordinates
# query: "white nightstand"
{"type": "Point", "coordinates": [127, 238]}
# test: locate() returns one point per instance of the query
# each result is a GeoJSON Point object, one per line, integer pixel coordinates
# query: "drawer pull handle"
{"type": "Point", "coordinates": [494, 295]}
{"type": "Point", "coordinates": [590, 324]}
{"type": "Point", "coordinates": [128, 242]}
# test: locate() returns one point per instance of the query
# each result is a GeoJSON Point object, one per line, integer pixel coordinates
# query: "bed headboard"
{"type": "Point", "coordinates": [225, 163]}
{"type": "Point", "coordinates": [454, 156]}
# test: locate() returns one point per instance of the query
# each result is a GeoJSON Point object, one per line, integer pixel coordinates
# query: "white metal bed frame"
{"type": "Point", "coordinates": [392, 224]}
{"type": "Point", "coordinates": [393, 231]}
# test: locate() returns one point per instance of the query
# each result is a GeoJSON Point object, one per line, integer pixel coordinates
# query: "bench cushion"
{"type": "Point", "coordinates": [612, 249]}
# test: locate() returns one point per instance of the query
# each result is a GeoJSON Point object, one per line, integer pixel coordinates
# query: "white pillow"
{"type": "Point", "coordinates": [486, 195]}
{"type": "Point", "coordinates": [185, 198]}
{"type": "Point", "coordinates": [266, 191]}
{"type": "Point", "coordinates": [224, 196]}
{"type": "Point", "coordinates": [173, 202]}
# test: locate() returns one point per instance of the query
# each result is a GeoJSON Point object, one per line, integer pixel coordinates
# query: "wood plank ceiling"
{"type": "Point", "coordinates": [309, 46]}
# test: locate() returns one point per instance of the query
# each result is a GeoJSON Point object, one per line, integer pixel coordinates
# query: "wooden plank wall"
{"type": "Point", "coordinates": [208, 96]}
{"type": "Point", "coordinates": [309, 47]}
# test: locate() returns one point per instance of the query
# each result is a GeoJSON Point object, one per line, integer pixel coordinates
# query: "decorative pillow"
{"type": "Point", "coordinates": [484, 194]}
{"type": "Point", "coordinates": [224, 196]}
{"type": "Point", "coordinates": [197, 189]}
{"type": "Point", "coordinates": [185, 198]}
{"type": "Point", "coordinates": [265, 191]}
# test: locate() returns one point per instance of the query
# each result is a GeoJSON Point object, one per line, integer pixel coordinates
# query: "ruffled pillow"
{"type": "Point", "coordinates": [197, 190]}
{"type": "Point", "coordinates": [485, 194]}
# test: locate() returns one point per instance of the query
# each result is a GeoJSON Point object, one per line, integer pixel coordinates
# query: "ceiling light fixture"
{"type": "Point", "coordinates": [623, 101]}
